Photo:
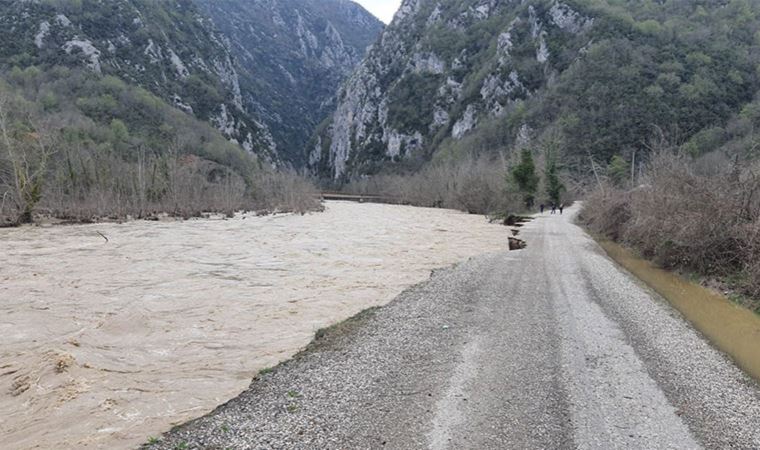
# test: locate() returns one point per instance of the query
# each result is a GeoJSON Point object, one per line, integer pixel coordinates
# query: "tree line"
{"type": "Point", "coordinates": [79, 147]}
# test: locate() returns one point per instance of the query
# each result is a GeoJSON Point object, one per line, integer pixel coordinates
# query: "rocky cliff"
{"type": "Point", "coordinates": [293, 56]}
{"type": "Point", "coordinates": [593, 77]}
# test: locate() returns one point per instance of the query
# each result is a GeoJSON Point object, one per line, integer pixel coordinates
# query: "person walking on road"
{"type": "Point", "coordinates": [561, 207]}
{"type": "Point", "coordinates": [542, 208]}
{"type": "Point", "coordinates": [554, 208]}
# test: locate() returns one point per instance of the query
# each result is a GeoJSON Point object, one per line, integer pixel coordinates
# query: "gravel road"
{"type": "Point", "coordinates": [552, 346]}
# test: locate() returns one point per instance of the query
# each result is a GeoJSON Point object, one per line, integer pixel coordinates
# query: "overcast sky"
{"type": "Point", "coordinates": [382, 9]}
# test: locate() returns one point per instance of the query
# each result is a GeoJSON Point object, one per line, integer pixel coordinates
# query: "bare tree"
{"type": "Point", "coordinates": [24, 156]}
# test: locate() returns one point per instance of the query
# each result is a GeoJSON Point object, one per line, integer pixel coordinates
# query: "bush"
{"type": "Point", "coordinates": [706, 222]}
{"type": "Point", "coordinates": [284, 192]}
{"type": "Point", "coordinates": [88, 186]}
{"type": "Point", "coordinates": [474, 184]}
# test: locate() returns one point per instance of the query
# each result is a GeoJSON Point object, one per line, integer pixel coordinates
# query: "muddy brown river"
{"type": "Point", "coordinates": [105, 344]}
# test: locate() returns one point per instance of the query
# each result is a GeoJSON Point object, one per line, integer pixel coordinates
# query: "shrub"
{"type": "Point", "coordinates": [706, 222]}
{"type": "Point", "coordinates": [473, 184]}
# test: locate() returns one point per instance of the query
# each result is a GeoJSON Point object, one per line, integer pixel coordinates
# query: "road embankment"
{"type": "Point", "coordinates": [551, 346]}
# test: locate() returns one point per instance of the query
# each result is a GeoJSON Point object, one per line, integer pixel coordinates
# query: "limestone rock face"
{"type": "Point", "coordinates": [292, 56]}
{"type": "Point", "coordinates": [263, 72]}
{"type": "Point", "coordinates": [441, 70]}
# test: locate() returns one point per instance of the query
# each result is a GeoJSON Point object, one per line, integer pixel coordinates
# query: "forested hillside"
{"type": "Point", "coordinates": [293, 56]}
{"type": "Point", "coordinates": [592, 80]}
{"type": "Point", "coordinates": [126, 108]}
{"type": "Point", "coordinates": [165, 47]}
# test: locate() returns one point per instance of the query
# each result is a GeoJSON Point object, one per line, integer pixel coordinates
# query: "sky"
{"type": "Point", "coordinates": [382, 9]}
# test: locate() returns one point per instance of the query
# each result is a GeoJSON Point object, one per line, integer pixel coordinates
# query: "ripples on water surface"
{"type": "Point", "coordinates": [108, 343]}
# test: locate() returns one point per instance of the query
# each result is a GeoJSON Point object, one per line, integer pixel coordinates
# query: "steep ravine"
{"type": "Point", "coordinates": [440, 69]}
{"type": "Point", "coordinates": [578, 78]}
{"type": "Point", "coordinates": [292, 56]}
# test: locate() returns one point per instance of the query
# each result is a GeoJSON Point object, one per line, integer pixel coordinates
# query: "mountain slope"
{"type": "Point", "coordinates": [166, 47]}
{"type": "Point", "coordinates": [293, 55]}
{"type": "Point", "coordinates": [586, 77]}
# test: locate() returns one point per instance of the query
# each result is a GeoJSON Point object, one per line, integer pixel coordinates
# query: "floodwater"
{"type": "Point", "coordinates": [731, 328]}
{"type": "Point", "coordinates": [105, 344]}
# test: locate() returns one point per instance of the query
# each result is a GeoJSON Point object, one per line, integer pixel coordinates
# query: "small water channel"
{"type": "Point", "coordinates": [732, 328]}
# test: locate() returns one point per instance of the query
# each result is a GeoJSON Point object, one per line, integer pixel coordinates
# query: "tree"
{"type": "Point", "coordinates": [618, 170]}
{"type": "Point", "coordinates": [119, 131]}
{"type": "Point", "coordinates": [554, 186]}
{"type": "Point", "coordinates": [524, 176]}
{"type": "Point", "coordinates": [24, 155]}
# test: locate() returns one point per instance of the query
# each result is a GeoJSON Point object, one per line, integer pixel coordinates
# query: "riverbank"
{"type": "Point", "coordinates": [552, 346]}
{"type": "Point", "coordinates": [107, 342]}
{"type": "Point", "coordinates": [189, 196]}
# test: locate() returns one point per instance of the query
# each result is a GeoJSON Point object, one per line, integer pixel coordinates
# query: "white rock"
{"type": "Point", "coordinates": [248, 143]}
{"type": "Point", "coordinates": [427, 63]}
{"type": "Point", "coordinates": [224, 122]}
{"type": "Point", "coordinates": [63, 20]}
{"type": "Point", "coordinates": [182, 105]}
{"type": "Point", "coordinates": [466, 123]}
{"type": "Point", "coordinates": [451, 90]}
{"type": "Point", "coordinates": [308, 42]}
{"type": "Point", "coordinates": [396, 141]}
{"type": "Point", "coordinates": [89, 50]}
{"type": "Point", "coordinates": [179, 66]}
{"type": "Point", "coordinates": [504, 46]}
{"type": "Point", "coordinates": [564, 17]}
{"type": "Point", "coordinates": [542, 54]}
{"type": "Point", "coordinates": [535, 24]}
{"type": "Point", "coordinates": [229, 76]}
{"type": "Point", "coordinates": [39, 38]}
{"type": "Point", "coordinates": [435, 16]}
{"type": "Point", "coordinates": [407, 8]}
{"type": "Point", "coordinates": [523, 136]}
{"type": "Point", "coordinates": [153, 52]}
{"type": "Point", "coordinates": [495, 89]}
{"type": "Point", "coordinates": [440, 117]}
{"type": "Point", "coordinates": [316, 152]}
{"type": "Point", "coordinates": [481, 12]}
{"type": "Point", "coordinates": [288, 75]}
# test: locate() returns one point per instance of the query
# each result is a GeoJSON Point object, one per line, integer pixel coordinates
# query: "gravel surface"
{"type": "Point", "coordinates": [552, 346]}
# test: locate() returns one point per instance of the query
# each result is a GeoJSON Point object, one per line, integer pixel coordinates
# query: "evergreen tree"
{"type": "Point", "coordinates": [618, 170]}
{"type": "Point", "coordinates": [525, 177]}
{"type": "Point", "coordinates": [554, 186]}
